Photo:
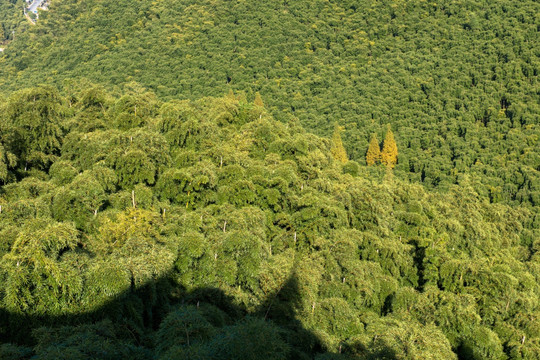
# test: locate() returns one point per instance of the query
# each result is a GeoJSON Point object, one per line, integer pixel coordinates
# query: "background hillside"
{"type": "Point", "coordinates": [456, 80]}
{"type": "Point", "coordinates": [11, 20]}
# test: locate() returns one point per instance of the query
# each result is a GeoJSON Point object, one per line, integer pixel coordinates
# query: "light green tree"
{"type": "Point", "coordinates": [337, 149]}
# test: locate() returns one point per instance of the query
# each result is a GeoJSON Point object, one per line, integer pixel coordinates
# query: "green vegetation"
{"type": "Point", "coordinates": [205, 229]}
{"type": "Point", "coordinates": [12, 21]}
{"type": "Point", "coordinates": [144, 214]}
{"type": "Point", "coordinates": [337, 150]}
{"type": "Point", "coordinates": [457, 81]}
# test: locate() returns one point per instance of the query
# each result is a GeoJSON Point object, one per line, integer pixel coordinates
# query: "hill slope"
{"type": "Point", "coordinates": [457, 81]}
{"type": "Point", "coordinates": [145, 215]}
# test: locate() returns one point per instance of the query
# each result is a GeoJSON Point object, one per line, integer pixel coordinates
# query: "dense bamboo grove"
{"type": "Point", "coordinates": [12, 22]}
{"type": "Point", "coordinates": [456, 80]}
{"type": "Point", "coordinates": [207, 229]}
{"type": "Point", "coordinates": [318, 180]}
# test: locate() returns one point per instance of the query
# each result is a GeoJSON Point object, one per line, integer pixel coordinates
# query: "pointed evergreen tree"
{"type": "Point", "coordinates": [389, 152]}
{"type": "Point", "coordinates": [373, 155]}
{"type": "Point", "coordinates": [230, 94]}
{"type": "Point", "coordinates": [258, 100]}
{"type": "Point", "coordinates": [338, 150]}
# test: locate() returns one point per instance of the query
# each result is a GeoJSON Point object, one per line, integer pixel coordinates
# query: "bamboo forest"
{"type": "Point", "coordinates": [272, 179]}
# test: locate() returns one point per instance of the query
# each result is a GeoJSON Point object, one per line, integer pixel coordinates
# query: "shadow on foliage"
{"type": "Point", "coordinates": [163, 320]}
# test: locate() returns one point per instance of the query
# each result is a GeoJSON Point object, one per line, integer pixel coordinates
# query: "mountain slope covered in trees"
{"type": "Point", "coordinates": [456, 80]}
{"type": "Point", "coordinates": [12, 21]}
{"type": "Point", "coordinates": [171, 188]}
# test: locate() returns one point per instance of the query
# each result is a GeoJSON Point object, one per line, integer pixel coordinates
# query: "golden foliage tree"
{"type": "Point", "coordinates": [373, 155]}
{"type": "Point", "coordinates": [338, 150]}
{"type": "Point", "coordinates": [389, 152]}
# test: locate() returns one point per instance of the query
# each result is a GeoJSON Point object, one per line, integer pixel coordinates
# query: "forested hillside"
{"type": "Point", "coordinates": [456, 80]}
{"type": "Point", "coordinates": [11, 19]}
{"type": "Point", "coordinates": [207, 230]}
{"type": "Point", "coordinates": [317, 179]}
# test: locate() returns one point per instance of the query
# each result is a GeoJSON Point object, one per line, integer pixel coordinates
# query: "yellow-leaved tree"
{"type": "Point", "coordinates": [389, 152]}
{"type": "Point", "coordinates": [338, 150]}
{"type": "Point", "coordinates": [373, 155]}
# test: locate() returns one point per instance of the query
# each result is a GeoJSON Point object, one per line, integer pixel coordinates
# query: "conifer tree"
{"type": "Point", "coordinates": [258, 100]}
{"type": "Point", "coordinates": [373, 155]}
{"type": "Point", "coordinates": [389, 152]}
{"type": "Point", "coordinates": [338, 150]}
{"type": "Point", "coordinates": [230, 95]}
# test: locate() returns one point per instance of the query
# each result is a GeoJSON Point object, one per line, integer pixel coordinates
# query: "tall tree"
{"type": "Point", "coordinates": [373, 155]}
{"type": "Point", "coordinates": [338, 150]}
{"type": "Point", "coordinates": [32, 125]}
{"type": "Point", "coordinates": [389, 152]}
{"type": "Point", "coordinates": [258, 100]}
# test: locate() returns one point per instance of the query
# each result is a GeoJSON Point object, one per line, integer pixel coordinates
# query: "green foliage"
{"type": "Point", "coordinates": [14, 352]}
{"type": "Point", "coordinates": [96, 341]}
{"type": "Point", "coordinates": [208, 230]}
{"type": "Point", "coordinates": [249, 339]}
{"type": "Point", "coordinates": [37, 280]}
{"type": "Point", "coordinates": [463, 104]}
{"type": "Point", "coordinates": [8, 161]}
{"type": "Point", "coordinates": [12, 22]}
{"type": "Point", "coordinates": [31, 125]}
{"type": "Point", "coordinates": [132, 110]}
{"type": "Point", "coordinates": [258, 100]}
{"type": "Point", "coordinates": [79, 201]}
{"type": "Point", "coordinates": [352, 168]}
{"type": "Point", "coordinates": [140, 218]}
{"type": "Point", "coordinates": [402, 339]}
{"type": "Point", "coordinates": [183, 327]}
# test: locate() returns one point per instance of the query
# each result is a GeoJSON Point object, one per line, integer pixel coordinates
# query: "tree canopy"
{"type": "Point", "coordinates": [232, 235]}
{"type": "Point", "coordinates": [145, 214]}
{"type": "Point", "coordinates": [457, 81]}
